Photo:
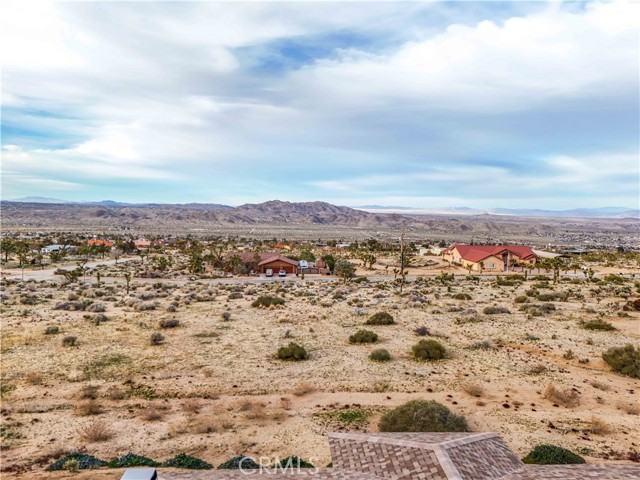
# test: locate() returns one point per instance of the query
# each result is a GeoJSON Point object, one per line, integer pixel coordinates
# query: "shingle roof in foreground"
{"type": "Point", "coordinates": [425, 456]}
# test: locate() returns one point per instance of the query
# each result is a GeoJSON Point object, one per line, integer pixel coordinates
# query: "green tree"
{"type": "Point", "coordinates": [162, 263]}
{"type": "Point", "coordinates": [8, 246]}
{"type": "Point", "coordinates": [330, 260]}
{"type": "Point", "coordinates": [308, 256]}
{"type": "Point", "coordinates": [345, 270]}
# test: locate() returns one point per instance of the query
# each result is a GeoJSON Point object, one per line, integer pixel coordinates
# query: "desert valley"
{"type": "Point", "coordinates": [173, 347]}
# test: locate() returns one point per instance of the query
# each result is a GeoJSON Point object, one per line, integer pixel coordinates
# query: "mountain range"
{"type": "Point", "coordinates": [323, 209]}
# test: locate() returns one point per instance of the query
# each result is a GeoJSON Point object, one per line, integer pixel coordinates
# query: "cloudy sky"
{"type": "Point", "coordinates": [481, 104]}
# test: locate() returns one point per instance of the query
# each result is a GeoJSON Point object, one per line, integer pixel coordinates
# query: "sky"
{"type": "Point", "coordinates": [427, 104]}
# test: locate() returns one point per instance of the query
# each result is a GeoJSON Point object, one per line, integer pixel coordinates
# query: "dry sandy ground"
{"type": "Point", "coordinates": [215, 390]}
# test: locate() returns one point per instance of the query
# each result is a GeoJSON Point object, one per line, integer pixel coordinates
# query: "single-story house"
{"type": "Point", "coordinates": [278, 262]}
{"type": "Point", "coordinates": [489, 258]}
{"type": "Point", "coordinates": [56, 248]}
{"type": "Point", "coordinates": [258, 262]}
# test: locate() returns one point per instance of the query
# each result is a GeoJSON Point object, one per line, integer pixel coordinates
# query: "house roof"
{"type": "Point", "coordinates": [106, 243]}
{"type": "Point", "coordinates": [278, 258]}
{"type": "Point", "coordinates": [477, 253]}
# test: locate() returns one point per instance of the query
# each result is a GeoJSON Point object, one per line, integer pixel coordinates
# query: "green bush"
{"type": "Point", "coordinates": [132, 460]}
{"type": "Point", "coordinates": [85, 462]}
{"type": "Point", "coordinates": [624, 360]}
{"type": "Point", "coordinates": [364, 336]}
{"type": "Point", "coordinates": [234, 296]}
{"type": "Point", "coordinates": [169, 323]}
{"type": "Point", "coordinates": [183, 460]}
{"type": "Point", "coordinates": [381, 318]}
{"type": "Point", "coordinates": [292, 352]}
{"type": "Point", "coordinates": [235, 463]}
{"type": "Point", "coordinates": [267, 301]}
{"type": "Point", "coordinates": [521, 299]}
{"type": "Point", "coordinates": [462, 296]}
{"type": "Point", "coordinates": [429, 350]}
{"type": "Point", "coordinates": [380, 355]}
{"type": "Point", "coordinates": [422, 416]}
{"type": "Point", "coordinates": [495, 310]}
{"type": "Point", "coordinates": [52, 330]}
{"type": "Point", "coordinates": [291, 462]}
{"type": "Point", "coordinates": [552, 455]}
{"type": "Point", "coordinates": [597, 325]}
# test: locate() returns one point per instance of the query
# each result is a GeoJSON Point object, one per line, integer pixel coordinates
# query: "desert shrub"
{"type": "Point", "coordinates": [486, 344]}
{"type": "Point", "coordinates": [132, 460]}
{"type": "Point", "coordinates": [169, 323]}
{"type": "Point", "coordinates": [380, 355]}
{"type": "Point", "coordinates": [302, 389]}
{"type": "Point", "coordinates": [99, 318]}
{"type": "Point", "coordinates": [521, 299]}
{"type": "Point", "coordinates": [85, 462]}
{"type": "Point", "coordinates": [547, 297]}
{"type": "Point", "coordinates": [462, 296]}
{"type": "Point", "coordinates": [96, 308]}
{"type": "Point", "coordinates": [97, 431]}
{"type": "Point", "coordinates": [624, 360]}
{"type": "Point", "coordinates": [156, 338]}
{"type": "Point", "coordinates": [422, 331]}
{"type": "Point", "coordinates": [495, 310]}
{"type": "Point", "coordinates": [381, 318]}
{"type": "Point", "coordinates": [293, 351]}
{"type": "Point", "coordinates": [51, 330]}
{"type": "Point", "coordinates": [429, 350]}
{"type": "Point", "coordinates": [226, 316]}
{"type": "Point", "coordinates": [473, 389]}
{"type": "Point", "coordinates": [145, 306]}
{"type": "Point", "coordinates": [422, 416]}
{"type": "Point", "coordinates": [90, 407]}
{"type": "Point", "coordinates": [364, 336]}
{"type": "Point", "coordinates": [235, 296]}
{"type": "Point", "coordinates": [566, 397]}
{"type": "Point", "coordinates": [597, 325]}
{"type": "Point", "coordinates": [69, 341]}
{"type": "Point", "coordinates": [236, 462]}
{"type": "Point", "coordinates": [183, 460]}
{"type": "Point", "coordinates": [292, 461]}
{"type": "Point", "coordinates": [538, 309]}
{"type": "Point", "coordinates": [267, 301]}
{"type": "Point", "coordinates": [598, 426]}
{"type": "Point", "coordinates": [552, 455]}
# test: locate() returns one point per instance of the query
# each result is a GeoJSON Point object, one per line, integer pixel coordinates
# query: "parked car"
{"type": "Point", "coordinates": [269, 272]}
{"type": "Point", "coordinates": [282, 273]}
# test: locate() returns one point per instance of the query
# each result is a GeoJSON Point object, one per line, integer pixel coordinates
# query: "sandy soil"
{"type": "Point", "coordinates": [214, 388]}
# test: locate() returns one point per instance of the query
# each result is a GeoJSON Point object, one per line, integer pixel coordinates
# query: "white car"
{"type": "Point", "coordinates": [282, 273]}
{"type": "Point", "coordinates": [268, 272]}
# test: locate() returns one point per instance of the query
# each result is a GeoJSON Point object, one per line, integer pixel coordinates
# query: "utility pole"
{"type": "Point", "coordinates": [401, 260]}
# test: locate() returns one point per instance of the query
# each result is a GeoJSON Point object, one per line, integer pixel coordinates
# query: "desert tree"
{"type": "Point", "coordinates": [8, 246]}
{"type": "Point", "coordinates": [345, 270]}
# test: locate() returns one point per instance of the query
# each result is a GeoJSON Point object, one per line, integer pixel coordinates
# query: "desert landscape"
{"type": "Point", "coordinates": [168, 361]}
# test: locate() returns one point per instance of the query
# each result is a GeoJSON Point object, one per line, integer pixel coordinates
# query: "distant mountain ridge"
{"type": "Point", "coordinates": [327, 212]}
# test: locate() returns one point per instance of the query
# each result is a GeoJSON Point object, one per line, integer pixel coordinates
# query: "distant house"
{"type": "Point", "coordinates": [489, 258]}
{"type": "Point", "coordinates": [56, 248]}
{"type": "Point", "coordinates": [277, 263]}
{"type": "Point", "coordinates": [258, 262]}
{"type": "Point", "coordinates": [99, 243]}
{"type": "Point", "coordinates": [142, 243]}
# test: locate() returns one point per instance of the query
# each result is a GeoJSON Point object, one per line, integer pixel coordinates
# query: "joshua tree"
{"type": "Point", "coordinates": [345, 270]}
{"type": "Point", "coordinates": [127, 279]}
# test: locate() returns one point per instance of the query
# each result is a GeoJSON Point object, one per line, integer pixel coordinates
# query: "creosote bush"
{"type": "Point", "coordinates": [156, 338]}
{"type": "Point", "coordinates": [624, 360]}
{"type": "Point", "coordinates": [364, 336]}
{"type": "Point", "coordinates": [429, 350]}
{"type": "Point", "coordinates": [422, 331]}
{"type": "Point", "coordinates": [52, 330]}
{"type": "Point", "coordinates": [597, 325]}
{"type": "Point", "coordinates": [422, 416]}
{"type": "Point", "coordinates": [552, 455]}
{"type": "Point", "coordinates": [495, 310]}
{"type": "Point", "coordinates": [183, 460]}
{"type": "Point", "coordinates": [267, 301]}
{"type": "Point", "coordinates": [380, 355]}
{"type": "Point", "coordinates": [69, 341]}
{"type": "Point", "coordinates": [293, 351]}
{"type": "Point", "coordinates": [169, 323]}
{"type": "Point", "coordinates": [381, 318]}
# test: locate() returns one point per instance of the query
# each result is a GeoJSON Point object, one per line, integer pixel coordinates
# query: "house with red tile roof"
{"type": "Point", "coordinates": [489, 258]}
{"type": "Point", "coordinates": [99, 243]}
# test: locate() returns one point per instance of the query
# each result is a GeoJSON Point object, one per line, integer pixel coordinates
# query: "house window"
{"type": "Point", "coordinates": [490, 265]}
